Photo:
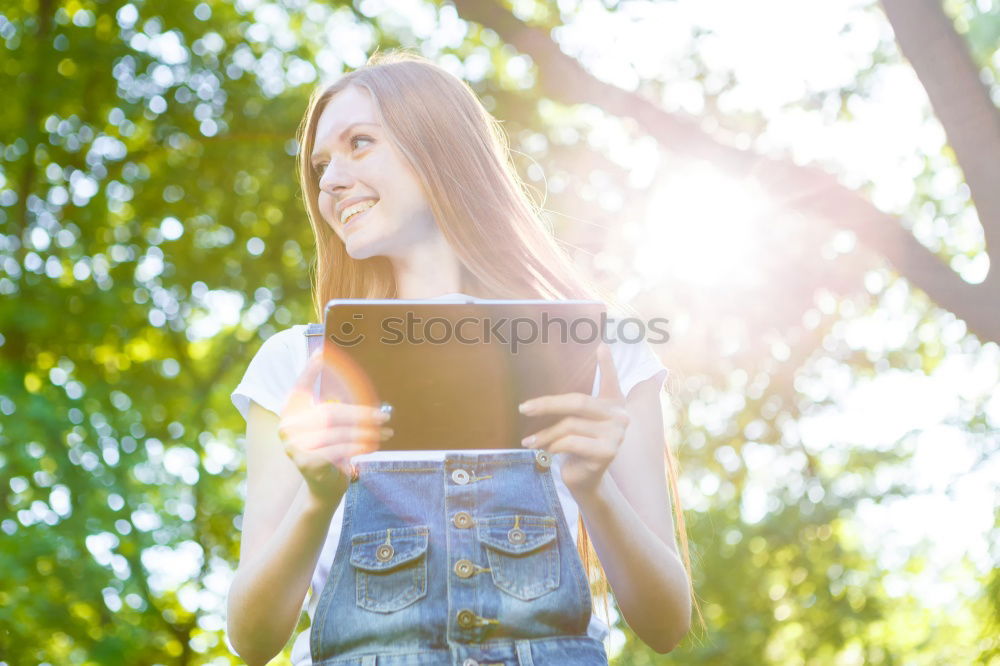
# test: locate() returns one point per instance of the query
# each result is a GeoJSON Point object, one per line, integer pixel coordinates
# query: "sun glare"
{"type": "Point", "coordinates": [700, 228]}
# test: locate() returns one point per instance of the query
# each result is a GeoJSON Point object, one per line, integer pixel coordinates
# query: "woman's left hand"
{"type": "Point", "coordinates": [591, 432]}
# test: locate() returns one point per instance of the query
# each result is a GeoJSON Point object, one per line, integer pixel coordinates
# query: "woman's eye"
{"type": "Point", "coordinates": [321, 167]}
{"type": "Point", "coordinates": [359, 136]}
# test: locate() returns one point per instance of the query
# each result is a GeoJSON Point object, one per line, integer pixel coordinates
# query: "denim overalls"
{"type": "Point", "coordinates": [467, 562]}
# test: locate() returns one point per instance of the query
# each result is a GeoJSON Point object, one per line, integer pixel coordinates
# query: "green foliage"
{"type": "Point", "coordinates": [145, 148]}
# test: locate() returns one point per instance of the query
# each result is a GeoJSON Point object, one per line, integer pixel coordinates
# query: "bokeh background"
{"type": "Point", "coordinates": [808, 190]}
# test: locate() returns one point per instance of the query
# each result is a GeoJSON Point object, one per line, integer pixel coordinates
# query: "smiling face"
{"type": "Point", "coordinates": [355, 161]}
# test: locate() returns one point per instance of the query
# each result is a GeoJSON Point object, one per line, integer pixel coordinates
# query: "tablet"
{"type": "Point", "coordinates": [453, 373]}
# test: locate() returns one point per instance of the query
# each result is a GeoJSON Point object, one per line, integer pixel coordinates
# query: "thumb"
{"type": "Point", "coordinates": [609, 386]}
{"type": "Point", "coordinates": [301, 395]}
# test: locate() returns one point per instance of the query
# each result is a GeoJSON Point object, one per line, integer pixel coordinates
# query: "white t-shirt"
{"type": "Point", "coordinates": [282, 358]}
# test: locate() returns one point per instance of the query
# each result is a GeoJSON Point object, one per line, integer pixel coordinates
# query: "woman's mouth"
{"type": "Point", "coordinates": [352, 220]}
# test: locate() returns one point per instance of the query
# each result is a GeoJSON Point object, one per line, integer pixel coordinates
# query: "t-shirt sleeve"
{"type": "Point", "coordinates": [634, 362]}
{"type": "Point", "coordinates": [638, 361]}
{"type": "Point", "coordinates": [272, 372]}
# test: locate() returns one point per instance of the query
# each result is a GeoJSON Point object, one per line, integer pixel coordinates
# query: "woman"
{"type": "Point", "coordinates": [411, 194]}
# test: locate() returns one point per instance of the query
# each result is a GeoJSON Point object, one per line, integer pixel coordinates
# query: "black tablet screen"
{"type": "Point", "coordinates": [454, 373]}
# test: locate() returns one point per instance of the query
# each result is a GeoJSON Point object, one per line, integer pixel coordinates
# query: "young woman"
{"type": "Point", "coordinates": [443, 557]}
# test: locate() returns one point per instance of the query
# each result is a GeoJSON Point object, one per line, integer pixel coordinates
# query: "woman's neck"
{"type": "Point", "coordinates": [427, 270]}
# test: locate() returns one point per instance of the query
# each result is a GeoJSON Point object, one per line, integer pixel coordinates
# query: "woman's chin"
{"type": "Point", "coordinates": [359, 251]}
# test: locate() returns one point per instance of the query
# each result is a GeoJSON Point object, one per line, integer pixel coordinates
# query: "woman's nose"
{"type": "Point", "coordinates": [334, 178]}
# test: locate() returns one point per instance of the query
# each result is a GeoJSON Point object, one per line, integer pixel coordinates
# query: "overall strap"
{"type": "Point", "coordinates": [314, 337]}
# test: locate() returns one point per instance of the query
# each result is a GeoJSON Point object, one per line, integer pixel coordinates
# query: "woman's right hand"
{"type": "Point", "coordinates": [321, 438]}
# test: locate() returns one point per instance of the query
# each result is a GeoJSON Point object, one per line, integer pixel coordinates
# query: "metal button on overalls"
{"type": "Point", "coordinates": [383, 553]}
{"type": "Point", "coordinates": [466, 619]}
{"type": "Point", "coordinates": [464, 568]}
{"type": "Point", "coordinates": [470, 662]}
{"type": "Point", "coordinates": [543, 459]}
{"type": "Point", "coordinates": [462, 520]}
{"type": "Point", "coordinates": [460, 476]}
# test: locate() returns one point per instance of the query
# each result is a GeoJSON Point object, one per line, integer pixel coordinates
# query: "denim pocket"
{"type": "Point", "coordinates": [390, 567]}
{"type": "Point", "coordinates": [523, 553]}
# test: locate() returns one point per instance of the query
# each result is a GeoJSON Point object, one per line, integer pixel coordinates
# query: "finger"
{"type": "Point", "coordinates": [332, 384]}
{"type": "Point", "coordinates": [568, 426]}
{"type": "Point", "coordinates": [317, 461]}
{"type": "Point", "coordinates": [333, 453]}
{"type": "Point", "coordinates": [311, 465]}
{"type": "Point", "coordinates": [339, 436]}
{"type": "Point", "coordinates": [578, 404]}
{"type": "Point", "coordinates": [316, 467]}
{"type": "Point", "coordinates": [343, 454]}
{"type": "Point", "coordinates": [328, 414]}
{"type": "Point", "coordinates": [610, 386]}
{"type": "Point", "coordinates": [596, 450]}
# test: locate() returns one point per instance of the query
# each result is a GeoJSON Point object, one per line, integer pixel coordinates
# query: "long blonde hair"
{"type": "Point", "coordinates": [461, 156]}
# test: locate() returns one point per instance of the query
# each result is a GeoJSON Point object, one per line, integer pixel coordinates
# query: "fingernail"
{"type": "Point", "coordinates": [387, 432]}
{"type": "Point", "coordinates": [382, 417]}
{"type": "Point", "coordinates": [525, 407]}
{"type": "Point", "coordinates": [528, 441]}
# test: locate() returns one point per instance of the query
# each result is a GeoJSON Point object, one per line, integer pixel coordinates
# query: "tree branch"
{"type": "Point", "coordinates": [804, 189]}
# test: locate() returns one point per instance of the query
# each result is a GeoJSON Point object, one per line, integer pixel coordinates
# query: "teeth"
{"type": "Point", "coordinates": [356, 208]}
